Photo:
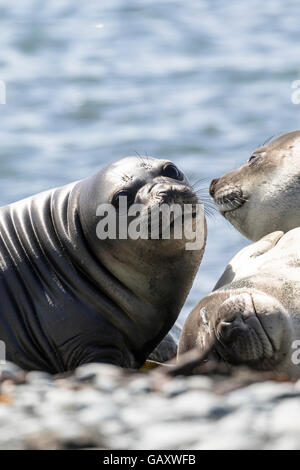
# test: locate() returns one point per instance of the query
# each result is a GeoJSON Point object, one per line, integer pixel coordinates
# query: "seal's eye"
{"type": "Point", "coordinates": [171, 171]}
{"type": "Point", "coordinates": [123, 193]}
{"type": "Point", "coordinates": [253, 157]}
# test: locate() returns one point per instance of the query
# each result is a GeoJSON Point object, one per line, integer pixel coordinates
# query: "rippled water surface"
{"type": "Point", "coordinates": [200, 82]}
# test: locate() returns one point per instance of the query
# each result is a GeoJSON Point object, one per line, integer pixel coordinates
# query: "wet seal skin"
{"type": "Point", "coordinates": [263, 195]}
{"type": "Point", "coordinates": [68, 298]}
{"type": "Point", "coordinates": [253, 315]}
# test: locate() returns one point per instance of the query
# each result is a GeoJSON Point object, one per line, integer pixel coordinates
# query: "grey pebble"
{"type": "Point", "coordinates": [37, 377]}
{"type": "Point", "coordinates": [174, 387]}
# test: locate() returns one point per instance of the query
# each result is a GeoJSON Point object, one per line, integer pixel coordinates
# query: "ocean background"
{"type": "Point", "coordinates": [202, 83]}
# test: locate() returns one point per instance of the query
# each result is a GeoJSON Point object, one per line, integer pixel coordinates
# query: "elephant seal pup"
{"type": "Point", "coordinates": [263, 195]}
{"type": "Point", "coordinates": [68, 297]}
{"type": "Point", "coordinates": [253, 315]}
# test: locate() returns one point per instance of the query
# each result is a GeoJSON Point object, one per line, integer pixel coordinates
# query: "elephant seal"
{"type": "Point", "coordinates": [263, 195]}
{"type": "Point", "coordinates": [253, 315]}
{"type": "Point", "coordinates": [68, 297]}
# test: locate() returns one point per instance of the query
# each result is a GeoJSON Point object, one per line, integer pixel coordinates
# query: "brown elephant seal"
{"type": "Point", "coordinates": [253, 315]}
{"type": "Point", "coordinates": [70, 297]}
{"type": "Point", "coordinates": [263, 195]}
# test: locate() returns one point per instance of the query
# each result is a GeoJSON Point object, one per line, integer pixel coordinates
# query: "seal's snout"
{"type": "Point", "coordinates": [242, 332]}
{"type": "Point", "coordinates": [175, 194]}
{"type": "Point", "coordinates": [228, 199]}
{"type": "Point", "coordinates": [229, 330]}
{"type": "Point", "coordinates": [230, 323]}
{"type": "Point", "coordinates": [228, 196]}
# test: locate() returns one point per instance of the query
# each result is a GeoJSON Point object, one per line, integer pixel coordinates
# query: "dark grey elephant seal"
{"type": "Point", "coordinates": [253, 315]}
{"type": "Point", "coordinates": [263, 195]}
{"type": "Point", "coordinates": [68, 298]}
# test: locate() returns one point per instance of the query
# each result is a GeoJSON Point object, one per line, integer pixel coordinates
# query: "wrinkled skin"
{"type": "Point", "coordinates": [263, 195]}
{"type": "Point", "coordinates": [253, 315]}
{"type": "Point", "coordinates": [69, 298]}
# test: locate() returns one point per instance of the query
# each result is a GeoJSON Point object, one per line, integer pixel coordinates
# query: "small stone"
{"type": "Point", "coordinates": [103, 376]}
{"type": "Point", "coordinates": [121, 396]}
{"type": "Point", "coordinates": [174, 387]}
{"type": "Point", "coordinates": [158, 436]}
{"type": "Point", "coordinates": [286, 418]}
{"type": "Point", "coordinates": [37, 377]}
{"type": "Point", "coordinates": [199, 404]}
{"type": "Point", "coordinates": [260, 393]}
{"type": "Point", "coordinates": [139, 385]}
{"type": "Point", "coordinates": [199, 382]}
{"type": "Point", "coordinates": [10, 371]}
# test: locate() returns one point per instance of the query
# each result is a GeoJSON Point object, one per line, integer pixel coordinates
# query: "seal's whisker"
{"type": "Point", "coordinates": [200, 186]}
{"type": "Point", "coordinates": [139, 157]}
{"type": "Point", "coordinates": [205, 198]}
{"type": "Point", "coordinates": [209, 214]}
{"type": "Point", "coordinates": [228, 201]}
{"type": "Point", "coordinates": [193, 182]}
{"type": "Point", "coordinates": [203, 191]}
{"type": "Point", "coordinates": [268, 140]}
{"type": "Point", "coordinates": [209, 205]}
{"type": "Point", "coordinates": [236, 202]}
{"type": "Point", "coordinates": [123, 176]}
{"type": "Point", "coordinates": [144, 160]}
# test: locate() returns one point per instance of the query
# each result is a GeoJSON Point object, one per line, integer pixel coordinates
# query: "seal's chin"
{"type": "Point", "coordinates": [230, 202]}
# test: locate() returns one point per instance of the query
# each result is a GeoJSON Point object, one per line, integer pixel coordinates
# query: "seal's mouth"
{"type": "Point", "coordinates": [230, 201]}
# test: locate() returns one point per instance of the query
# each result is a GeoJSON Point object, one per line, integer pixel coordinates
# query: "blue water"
{"type": "Point", "coordinates": [200, 82]}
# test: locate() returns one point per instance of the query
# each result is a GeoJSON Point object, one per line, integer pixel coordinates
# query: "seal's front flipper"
{"type": "Point", "coordinates": [264, 244]}
{"type": "Point", "coordinates": [246, 261]}
{"type": "Point", "coordinates": [166, 350]}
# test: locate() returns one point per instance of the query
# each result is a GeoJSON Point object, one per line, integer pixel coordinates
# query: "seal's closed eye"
{"type": "Point", "coordinates": [254, 157]}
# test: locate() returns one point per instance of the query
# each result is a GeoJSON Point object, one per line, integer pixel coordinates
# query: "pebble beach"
{"type": "Point", "coordinates": [100, 406]}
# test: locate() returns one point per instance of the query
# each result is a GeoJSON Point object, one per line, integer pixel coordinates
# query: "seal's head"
{"type": "Point", "coordinates": [134, 187]}
{"type": "Point", "coordinates": [252, 316]}
{"type": "Point", "coordinates": [148, 276]}
{"type": "Point", "coordinates": [246, 326]}
{"type": "Point", "coordinates": [84, 292]}
{"type": "Point", "coordinates": [263, 195]}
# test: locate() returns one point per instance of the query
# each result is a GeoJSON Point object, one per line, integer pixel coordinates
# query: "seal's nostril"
{"type": "Point", "coordinates": [212, 186]}
{"type": "Point", "coordinates": [229, 330]}
{"type": "Point", "coordinates": [162, 193]}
